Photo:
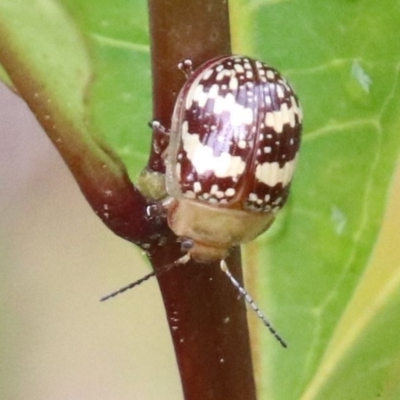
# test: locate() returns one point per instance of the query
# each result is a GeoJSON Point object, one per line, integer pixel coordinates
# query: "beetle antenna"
{"type": "Point", "coordinates": [182, 260]}
{"type": "Point", "coordinates": [252, 304]}
{"type": "Point", "coordinates": [127, 287]}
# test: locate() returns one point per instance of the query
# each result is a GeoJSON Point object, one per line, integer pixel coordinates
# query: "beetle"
{"type": "Point", "coordinates": [233, 148]}
{"type": "Point", "coordinates": [232, 151]}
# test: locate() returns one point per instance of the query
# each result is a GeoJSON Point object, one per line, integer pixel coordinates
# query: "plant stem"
{"type": "Point", "coordinates": [101, 176]}
{"type": "Point", "coordinates": [206, 317]}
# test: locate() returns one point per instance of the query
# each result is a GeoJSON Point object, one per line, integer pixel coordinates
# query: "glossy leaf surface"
{"type": "Point", "coordinates": [314, 265]}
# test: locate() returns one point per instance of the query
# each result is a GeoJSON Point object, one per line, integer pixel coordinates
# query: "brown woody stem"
{"type": "Point", "coordinates": [207, 319]}
{"type": "Point", "coordinates": [100, 175]}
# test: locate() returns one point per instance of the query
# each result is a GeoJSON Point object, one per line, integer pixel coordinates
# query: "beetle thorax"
{"type": "Point", "coordinates": [214, 230]}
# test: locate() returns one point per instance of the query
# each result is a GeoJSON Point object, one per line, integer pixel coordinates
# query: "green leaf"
{"type": "Point", "coordinates": [119, 97]}
{"type": "Point", "coordinates": [60, 62]}
{"type": "Point", "coordinates": [93, 61]}
{"type": "Point", "coordinates": [314, 264]}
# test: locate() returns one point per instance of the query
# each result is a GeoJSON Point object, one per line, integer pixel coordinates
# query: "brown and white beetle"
{"type": "Point", "coordinates": [233, 147]}
{"type": "Point", "coordinates": [234, 140]}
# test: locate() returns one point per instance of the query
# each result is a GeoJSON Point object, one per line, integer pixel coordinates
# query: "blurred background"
{"type": "Point", "coordinates": [57, 341]}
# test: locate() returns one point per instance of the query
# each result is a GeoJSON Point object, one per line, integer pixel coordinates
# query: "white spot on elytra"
{"type": "Point", "coordinates": [276, 119]}
{"type": "Point", "coordinates": [270, 74]}
{"type": "Point", "coordinates": [279, 92]}
{"type": "Point", "coordinates": [246, 64]}
{"type": "Point", "coordinates": [221, 75]}
{"type": "Point", "coordinates": [285, 113]}
{"type": "Point", "coordinates": [202, 158]}
{"type": "Point", "coordinates": [239, 68]}
{"type": "Point", "coordinates": [271, 173]}
{"type": "Point", "coordinates": [214, 91]}
{"type": "Point", "coordinates": [267, 149]}
{"type": "Point", "coordinates": [198, 95]}
{"type": "Point", "coordinates": [239, 114]}
{"type": "Point", "coordinates": [296, 108]}
{"type": "Point", "coordinates": [214, 189]}
{"type": "Point", "coordinates": [269, 119]}
{"type": "Point", "coordinates": [221, 138]}
{"type": "Point", "coordinates": [253, 197]}
{"type": "Point", "coordinates": [230, 192]}
{"type": "Point", "coordinates": [207, 74]}
{"type": "Point", "coordinates": [197, 187]}
{"type": "Point", "coordinates": [247, 116]}
{"type": "Point", "coordinates": [226, 103]}
{"type": "Point", "coordinates": [278, 122]}
{"type": "Point", "coordinates": [292, 120]}
{"type": "Point", "coordinates": [242, 144]}
{"type": "Point", "coordinates": [233, 83]}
